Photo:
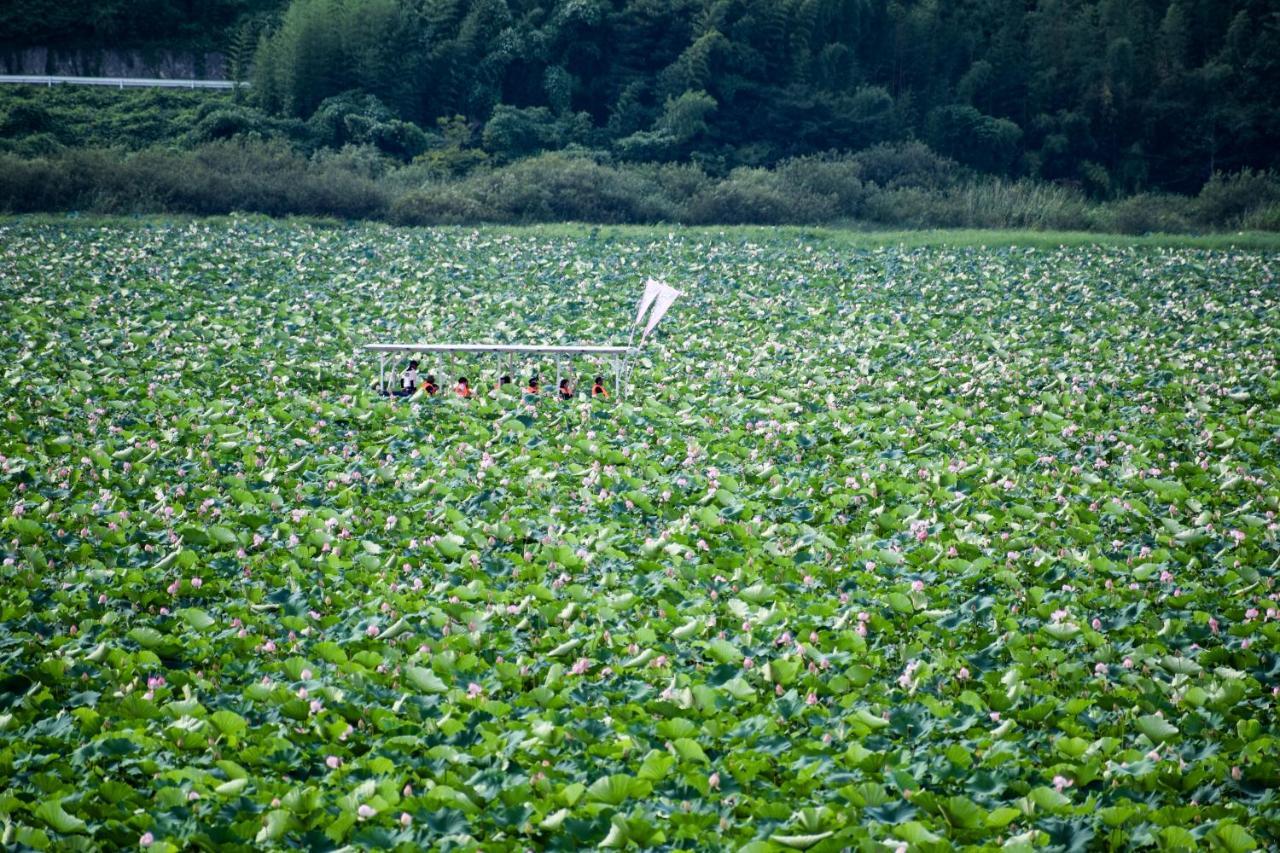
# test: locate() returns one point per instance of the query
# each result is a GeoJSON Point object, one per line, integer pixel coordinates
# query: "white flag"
{"type": "Point", "coordinates": [666, 295]}
{"type": "Point", "coordinates": [651, 289]}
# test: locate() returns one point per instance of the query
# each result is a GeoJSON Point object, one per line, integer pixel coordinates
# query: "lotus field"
{"type": "Point", "coordinates": [889, 549]}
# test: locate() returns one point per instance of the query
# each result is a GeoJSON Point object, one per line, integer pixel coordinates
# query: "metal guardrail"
{"type": "Point", "coordinates": [120, 82]}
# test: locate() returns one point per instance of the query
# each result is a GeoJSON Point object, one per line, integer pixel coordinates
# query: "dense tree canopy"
{"type": "Point", "coordinates": [1115, 96]}
{"type": "Point", "coordinates": [204, 24]}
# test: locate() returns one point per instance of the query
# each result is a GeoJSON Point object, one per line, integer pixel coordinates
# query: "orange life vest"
{"type": "Point", "coordinates": [430, 388]}
{"type": "Point", "coordinates": [531, 390]}
{"type": "Point", "coordinates": [464, 391]}
{"type": "Point", "coordinates": [598, 391]}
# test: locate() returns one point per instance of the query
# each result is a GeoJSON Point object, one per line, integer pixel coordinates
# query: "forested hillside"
{"type": "Point", "coordinates": [1105, 99]}
{"type": "Point", "coordinates": [208, 24]}
{"type": "Point", "coordinates": [1118, 95]}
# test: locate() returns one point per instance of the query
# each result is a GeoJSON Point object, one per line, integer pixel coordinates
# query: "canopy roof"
{"type": "Point", "coordinates": [539, 349]}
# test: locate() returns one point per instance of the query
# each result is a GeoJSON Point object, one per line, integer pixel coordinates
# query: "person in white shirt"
{"type": "Point", "coordinates": [409, 380]}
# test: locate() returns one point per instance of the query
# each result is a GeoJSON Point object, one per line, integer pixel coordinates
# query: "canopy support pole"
{"type": "Point", "coordinates": [382, 372]}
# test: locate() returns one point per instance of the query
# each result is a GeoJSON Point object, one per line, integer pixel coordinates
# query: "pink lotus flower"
{"type": "Point", "coordinates": [333, 762]}
{"type": "Point", "coordinates": [146, 840]}
{"type": "Point", "coordinates": [917, 586]}
{"type": "Point", "coordinates": [1060, 782]}
{"type": "Point", "coordinates": [196, 583]}
{"type": "Point", "coordinates": [365, 811]}
{"type": "Point", "coordinates": [405, 819]}
{"type": "Point", "coordinates": [474, 690]}
{"type": "Point", "coordinates": [963, 674]}
{"type": "Point", "coordinates": [713, 781]}
{"type": "Point", "coordinates": [372, 630]}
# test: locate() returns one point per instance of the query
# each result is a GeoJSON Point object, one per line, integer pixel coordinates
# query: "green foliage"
{"type": "Point", "coordinates": [950, 545]}
{"type": "Point", "coordinates": [355, 119]}
{"type": "Point", "coordinates": [685, 118]}
{"type": "Point", "coordinates": [327, 47]}
{"type": "Point", "coordinates": [1146, 213]}
{"type": "Point", "coordinates": [1230, 199]}
{"type": "Point", "coordinates": [367, 178]}
{"type": "Point", "coordinates": [1114, 99]}
{"type": "Point", "coordinates": [981, 141]}
{"type": "Point", "coordinates": [512, 133]}
{"type": "Point", "coordinates": [760, 197]}
{"type": "Point", "coordinates": [116, 24]}
{"type": "Point", "coordinates": [219, 177]}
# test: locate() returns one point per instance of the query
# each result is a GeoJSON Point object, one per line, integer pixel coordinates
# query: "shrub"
{"type": "Point", "coordinates": [34, 145]}
{"type": "Point", "coordinates": [1147, 213]}
{"type": "Point", "coordinates": [757, 197]}
{"type": "Point", "coordinates": [829, 175]}
{"type": "Point", "coordinates": [366, 161]}
{"type": "Point", "coordinates": [353, 118]}
{"type": "Point", "coordinates": [1226, 200]}
{"type": "Point", "coordinates": [23, 118]}
{"type": "Point", "coordinates": [220, 177]}
{"type": "Point", "coordinates": [513, 132]}
{"type": "Point", "coordinates": [557, 187]}
{"type": "Point", "coordinates": [31, 185]}
{"type": "Point", "coordinates": [228, 122]}
{"type": "Point", "coordinates": [1262, 219]}
{"type": "Point", "coordinates": [907, 164]}
{"type": "Point", "coordinates": [676, 182]}
{"type": "Point", "coordinates": [439, 205]}
{"type": "Point", "coordinates": [907, 207]}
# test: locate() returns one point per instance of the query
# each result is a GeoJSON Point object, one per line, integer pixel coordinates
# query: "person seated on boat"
{"type": "Point", "coordinates": [430, 385]}
{"type": "Point", "coordinates": [409, 380]}
{"type": "Point", "coordinates": [463, 388]}
{"type": "Point", "coordinates": [566, 390]}
{"type": "Point", "coordinates": [532, 387]}
{"type": "Point", "coordinates": [597, 388]}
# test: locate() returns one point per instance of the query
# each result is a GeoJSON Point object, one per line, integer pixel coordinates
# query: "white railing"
{"type": "Point", "coordinates": [120, 82]}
